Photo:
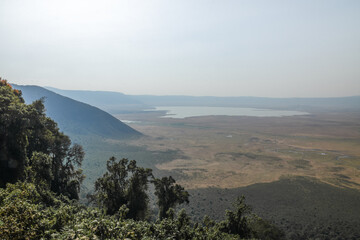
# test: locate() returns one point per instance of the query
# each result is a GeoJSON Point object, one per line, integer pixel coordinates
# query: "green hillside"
{"type": "Point", "coordinates": [77, 118]}
{"type": "Point", "coordinates": [304, 208]}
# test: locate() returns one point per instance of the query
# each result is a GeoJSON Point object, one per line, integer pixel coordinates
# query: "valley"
{"type": "Point", "coordinates": [230, 152]}
{"type": "Point", "coordinates": [217, 120]}
{"type": "Point", "coordinates": [291, 169]}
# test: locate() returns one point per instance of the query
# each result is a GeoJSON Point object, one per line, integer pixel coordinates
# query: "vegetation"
{"type": "Point", "coordinates": [41, 177]}
{"type": "Point", "coordinates": [40, 182]}
{"type": "Point", "coordinates": [123, 184]}
{"type": "Point", "coordinates": [25, 216]}
{"type": "Point", "coordinates": [169, 194]}
{"type": "Point", "coordinates": [26, 134]}
{"type": "Point", "coordinates": [304, 208]}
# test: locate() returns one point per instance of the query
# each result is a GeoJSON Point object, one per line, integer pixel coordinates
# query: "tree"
{"type": "Point", "coordinates": [13, 134]}
{"type": "Point", "coordinates": [136, 194]}
{"type": "Point", "coordinates": [40, 171]}
{"type": "Point", "coordinates": [124, 183]}
{"type": "Point", "coordinates": [262, 229]}
{"type": "Point", "coordinates": [21, 213]}
{"type": "Point", "coordinates": [236, 221]}
{"type": "Point", "coordinates": [69, 177]}
{"type": "Point", "coordinates": [169, 194]}
{"type": "Point", "coordinates": [25, 131]}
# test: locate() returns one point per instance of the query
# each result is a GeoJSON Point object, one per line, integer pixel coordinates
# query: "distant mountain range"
{"type": "Point", "coordinates": [112, 102]}
{"type": "Point", "coordinates": [115, 102]}
{"type": "Point", "coordinates": [74, 117]}
{"type": "Point", "coordinates": [298, 104]}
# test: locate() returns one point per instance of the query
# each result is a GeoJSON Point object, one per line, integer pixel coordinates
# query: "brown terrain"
{"type": "Point", "coordinates": [230, 152]}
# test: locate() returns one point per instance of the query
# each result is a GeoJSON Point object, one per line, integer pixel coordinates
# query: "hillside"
{"type": "Point", "coordinates": [112, 102]}
{"type": "Point", "coordinates": [77, 118]}
{"type": "Point", "coordinates": [304, 208]}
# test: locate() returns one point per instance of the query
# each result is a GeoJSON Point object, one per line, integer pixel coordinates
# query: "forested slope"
{"type": "Point", "coordinates": [304, 208]}
{"type": "Point", "coordinates": [78, 118]}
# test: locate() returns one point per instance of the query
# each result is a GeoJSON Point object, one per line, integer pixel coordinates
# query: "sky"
{"type": "Point", "coordinates": [268, 48]}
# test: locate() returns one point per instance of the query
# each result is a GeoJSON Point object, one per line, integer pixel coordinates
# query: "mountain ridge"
{"type": "Point", "coordinates": [75, 117]}
{"type": "Point", "coordinates": [109, 101]}
{"type": "Point", "coordinates": [116, 102]}
{"type": "Point", "coordinates": [300, 104]}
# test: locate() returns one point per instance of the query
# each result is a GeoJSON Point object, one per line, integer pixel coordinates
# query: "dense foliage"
{"type": "Point", "coordinates": [304, 208]}
{"type": "Point", "coordinates": [123, 184]}
{"type": "Point", "coordinates": [24, 133]}
{"type": "Point", "coordinates": [169, 195]}
{"type": "Point", "coordinates": [24, 215]}
{"type": "Point", "coordinates": [40, 182]}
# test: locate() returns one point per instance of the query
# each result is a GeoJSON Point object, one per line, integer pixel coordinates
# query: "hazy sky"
{"type": "Point", "coordinates": [289, 48]}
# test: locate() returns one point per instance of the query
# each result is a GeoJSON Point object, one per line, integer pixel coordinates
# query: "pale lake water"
{"type": "Point", "coordinates": [186, 111]}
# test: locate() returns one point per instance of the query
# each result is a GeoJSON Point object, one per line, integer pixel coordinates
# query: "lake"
{"type": "Point", "coordinates": [187, 111]}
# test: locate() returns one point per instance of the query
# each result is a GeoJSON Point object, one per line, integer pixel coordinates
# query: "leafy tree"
{"type": "Point", "coordinates": [136, 194]}
{"type": "Point", "coordinates": [182, 219]}
{"type": "Point", "coordinates": [68, 178]}
{"type": "Point", "coordinates": [110, 189]}
{"type": "Point", "coordinates": [262, 229]}
{"type": "Point", "coordinates": [208, 222]}
{"type": "Point", "coordinates": [169, 194]}
{"type": "Point", "coordinates": [21, 213]}
{"type": "Point", "coordinates": [25, 132]}
{"type": "Point", "coordinates": [13, 133]}
{"type": "Point", "coordinates": [124, 183]}
{"type": "Point", "coordinates": [237, 221]}
{"type": "Point", "coordinates": [40, 171]}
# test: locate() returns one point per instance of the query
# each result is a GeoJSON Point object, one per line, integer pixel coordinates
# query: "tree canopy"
{"type": "Point", "coordinates": [169, 194]}
{"type": "Point", "coordinates": [124, 183]}
{"type": "Point", "coordinates": [26, 133]}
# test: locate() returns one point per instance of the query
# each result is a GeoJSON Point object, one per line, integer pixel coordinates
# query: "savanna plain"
{"type": "Point", "coordinates": [300, 172]}
{"type": "Point", "coordinates": [237, 151]}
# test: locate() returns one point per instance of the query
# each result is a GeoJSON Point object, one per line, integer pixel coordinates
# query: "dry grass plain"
{"type": "Point", "coordinates": [229, 152]}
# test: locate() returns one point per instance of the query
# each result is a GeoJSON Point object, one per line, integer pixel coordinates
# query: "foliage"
{"type": "Point", "coordinates": [237, 221]}
{"type": "Point", "coordinates": [303, 208]}
{"type": "Point", "coordinates": [123, 184]}
{"type": "Point", "coordinates": [262, 229]}
{"type": "Point", "coordinates": [40, 171]}
{"type": "Point", "coordinates": [13, 137]}
{"type": "Point", "coordinates": [169, 194]}
{"type": "Point", "coordinates": [23, 216]}
{"type": "Point", "coordinates": [31, 141]}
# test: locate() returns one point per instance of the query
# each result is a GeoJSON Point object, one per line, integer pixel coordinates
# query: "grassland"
{"type": "Point", "coordinates": [230, 152]}
{"type": "Point", "coordinates": [219, 158]}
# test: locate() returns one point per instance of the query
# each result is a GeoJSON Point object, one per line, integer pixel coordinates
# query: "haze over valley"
{"type": "Point", "coordinates": [227, 153]}
{"type": "Point", "coordinates": [149, 119]}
